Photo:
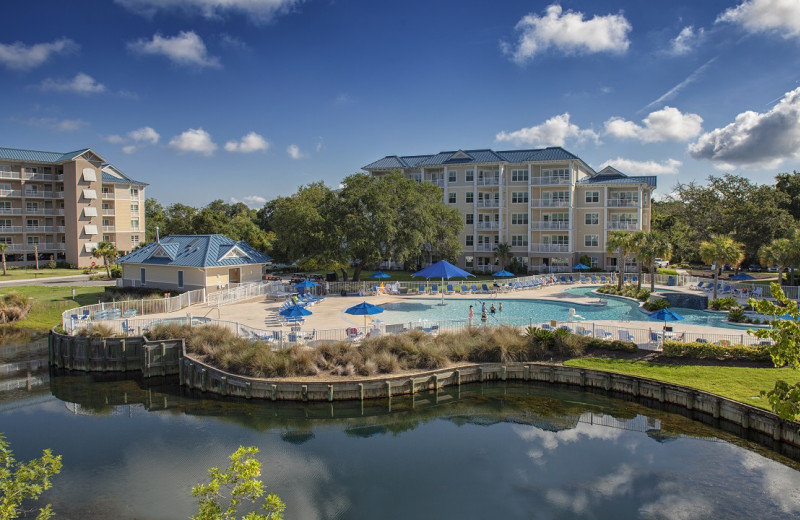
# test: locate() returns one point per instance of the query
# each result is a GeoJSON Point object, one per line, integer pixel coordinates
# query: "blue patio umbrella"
{"type": "Point", "coordinates": [580, 267]}
{"type": "Point", "coordinates": [742, 276]}
{"type": "Point", "coordinates": [305, 284]}
{"type": "Point", "coordinates": [442, 269]}
{"type": "Point", "coordinates": [379, 274]}
{"type": "Point", "coordinates": [364, 309]}
{"type": "Point", "coordinates": [502, 273]}
{"type": "Point", "coordinates": [666, 315]}
{"type": "Point", "coordinates": [294, 311]}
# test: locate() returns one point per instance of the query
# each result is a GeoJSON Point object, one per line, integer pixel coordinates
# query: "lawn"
{"type": "Point", "coordinates": [49, 302]}
{"type": "Point", "coordinates": [33, 274]}
{"type": "Point", "coordinates": [737, 383]}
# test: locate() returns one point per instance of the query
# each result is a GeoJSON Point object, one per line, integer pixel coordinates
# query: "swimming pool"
{"type": "Point", "coordinates": [533, 311]}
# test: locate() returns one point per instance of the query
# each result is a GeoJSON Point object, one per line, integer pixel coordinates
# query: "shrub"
{"type": "Point", "coordinates": [97, 330]}
{"type": "Point", "coordinates": [654, 305]}
{"type": "Point", "coordinates": [694, 350]}
{"type": "Point", "coordinates": [736, 315]}
{"type": "Point", "coordinates": [723, 304]}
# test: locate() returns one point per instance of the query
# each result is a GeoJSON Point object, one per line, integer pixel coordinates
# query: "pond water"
{"type": "Point", "coordinates": [134, 450]}
{"type": "Point", "coordinates": [533, 311]}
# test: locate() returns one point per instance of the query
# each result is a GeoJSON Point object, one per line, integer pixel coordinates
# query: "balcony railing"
{"type": "Point", "coordinates": [10, 229]}
{"type": "Point", "coordinates": [43, 211]}
{"type": "Point", "coordinates": [108, 212]}
{"type": "Point", "coordinates": [623, 203]}
{"type": "Point", "coordinates": [549, 248]}
{"type": "Point", "coordinates": [488, 225]}
{"type": "Point", "coordinates": [488, 203]}
{"type": "Point", "coordinates": [41, 247]}
{"type": "Point", "coordinates": [549, 203]}
{"type": "Point", "coordinates": [10, 211]}
{"type": "Point", "coordinates": [108, 229]}
{"type": "Point", "coordinates": [44, 229]}
{"type": "Point", "coordinates": [550, 224]}
{"type": "Point", "coordinates": [626, 226]}
{"type": "Point", "coordinates": [108, 196]}
{"type": "Point", "coordinates": [10, 193]}
{"type": "Point", "coordinates": [41, 194]}
{"type": "Point", "coordinates": [549, 181]}
{"type": "Point", "coordinates": [484, 268]}
{"type": "Point", "coordinates": [488, 181]}
{"type": "Point", "coordinates": [9, 175]}
{"type": "Point", "coordinates": [485, 247]}
{"type": "Point", "coordinates": [45, 177]}
{"type": "Point", "coordinates": [438, 182]}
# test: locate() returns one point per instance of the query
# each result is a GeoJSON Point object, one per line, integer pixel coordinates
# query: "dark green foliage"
{"type": "Point", "coordinates": [630, 291]}
{"type": "Point", "coordinates": [654, 305]}
{"type": "Point", "coordinates": [736, 315]}
{"type": "Point", "coordinates": [723, 304]}
{"type": "Point", "coordinates": [679, 349]}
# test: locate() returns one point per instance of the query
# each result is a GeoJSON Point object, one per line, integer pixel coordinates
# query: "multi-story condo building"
{"type": "Point", "coordinates": [61, 205]}
{"type": "Point", "coordinates": [548, 205]}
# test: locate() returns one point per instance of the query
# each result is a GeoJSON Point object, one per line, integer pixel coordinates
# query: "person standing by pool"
{"type": "Point", "coordinates": [471, 315]}
{"type": "Point", "coordinates": [501, 307]}
{"type": "Point", "coordinates": [492, 309]}
{"type": "Point", "coordinates": [484, 316]}
{"type": "Point", "coordinates": [483, 308]}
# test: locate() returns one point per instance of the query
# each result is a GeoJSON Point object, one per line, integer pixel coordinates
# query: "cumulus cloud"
{"type": "Point", "coordinates": [58, 125]}
{"type": "Point", "coordinates": [187, 48]}
{"type": "Point", "coordinates": [252, 201]}
{"type": "Point", "coordinates": [252, 142]}
{"type": "Point", "coordinates": [257, 10]}
{"type": "Point", "coordinates": [80, 84]}
{"type": "Point", "coordinates": [134, 139]}
{"type": "Point", "coordinates": [19, 56]}
{"type": "Point", "coordinates": [568, 32]}
{"type": "Point", "coordinates": [773, 16]}
{"type": "Point", "coordinates": [631, 167]}
{"type": "Point", "coordinates": [687, 39]}
{"type": "Point", "coordinates": [553, 132]}
{"type": "Point", "coordinates": [753, 138]}
{"type": "Point", "coordinates": [194, 140]}
{"type": "Point", "coordinates": [294, 151]}
{"type": "Point", "coordinates": [667, 124]}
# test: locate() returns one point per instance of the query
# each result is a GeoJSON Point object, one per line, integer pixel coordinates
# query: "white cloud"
{"type": "Point", "coordinates": [257, 10]}
{"type": "Point", "coordinates": [129, 149]}
{"type": "Point", "coordinates": [80, 84]}
{"type": "Point", "coordinates": [187, 48]}
{"type": "Point", "coordinates": [686, 40]}
{"type": "Point", "coordinates": [22, 57]}
{"type": "Point", "coordinates": [667, 124]}
{"type": "Point", "coordinates": [680, 86]}
{"type": "Point", "coordinates": [294, 151]}
{"type": "Point", "coordinates": [253, 201]}
{"type": "Point", "coordinates": [58, 125]}
{"type": "Point", "coordinates": [135, 138]}
{"type": "Point", "coordinates": [553, 132]}
{"type": "Point", "coordinates": [631, 167]}
{"type": "Point", "coordinates": [252, 142]}
{"type": "Point", "coordinates": [776, 16]}
{"type": "Point", "coordinates": [569, 33]}
{"type": "Point", "coordinates": [755, 139]}
{"type": "Point", "coordinates": [194, 140]}
{"type": "Point", "coordinates": [320, 144]}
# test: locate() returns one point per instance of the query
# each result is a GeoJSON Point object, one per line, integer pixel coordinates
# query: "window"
{"type": "Point", "coordinates": [469, 261]}
{"type": "Point", "coordinates": [134, 193]}
{"type": "Point", "coordinates": [451, 198]}
{"type": "Point", "coordinates": [5, 240]}
{"type": "Point", "coordinates": [32, 222]}
{"type": "Point", "coordinates": [5, 222]}
{"type": "Point", "coordinates": [142, 276]}
{"type": "Point", "coordinates": [452, 176]}
{"type": "Point", "coordinates": [6, 168]}
{"type": "Point", "coordinates": [560, 240]}
{"type": "Point", "coordinates": [470, 218]}
{"type": "Point", "coordinates": [595, 262]}
{"type": "Point", "coordinates": [470, 241]}
{"type": "Point", "coordinates": [470, 197]}
{"type": "Point", "coordinates": [135, 224]}
{"type": "Point", "coordinates": [180, 279]}
{"type": "Point", "coordinates": [592, 197]}
{"type": "Point", "coordinates": [519, 218]}
{"type": "Point", "coordinates": [31, 206]}
{"type": "Point", "coordinates": [33, 240]}
{"type": "Point", "coordinates": [469, 176]}
{"type": "Point", "coordinates": [591, 240]}
{"type": "Point", "coordinates": [519, 197]}
{"type": "Point", "coordinates": [106, 238]}
{"type": "Point", "coordinates": [558, 175]}
{"type": "Point", "coordinates": [592, 219]}
{"type": "Point", "coordinates": [519, 240]}
{"type": "Point", "coordinates": [134, 209]}
{"type": "Point", "coordinates": [5, 187]}
{"type": "Point", "coordinates": [6, 204]}
{"type": "Point", "coordinates": [135, 240]}
{"type": "Point", "coordinates": [519, 175]}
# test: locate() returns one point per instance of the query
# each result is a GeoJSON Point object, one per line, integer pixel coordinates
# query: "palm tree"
{"type": "Point", "coordinates": [719, 250]}
{"type": "Point", "coordinates": [780, 252]}
{"type": "Point", "coordinates": [649, 246]}
{"type": "Point", "coordinates": [3, 247]}
{"type": "Point", "coordinates": [621, 243]}
{"type": "Point", "coordinates": [107, 251]}
{"type": "Point", "coordinates": [503, 253]}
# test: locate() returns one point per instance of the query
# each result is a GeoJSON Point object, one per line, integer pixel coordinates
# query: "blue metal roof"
{"type": "Point", "coordinates": [477, 157]}
{"type": "Point", "coordinates": [650, 180]}
{"type": "Point", "coordinates": [15, 154]}
{"type": "Point", "coordinates": [108, 178]}
{"type": "Point", "coordinates": [196, 251]}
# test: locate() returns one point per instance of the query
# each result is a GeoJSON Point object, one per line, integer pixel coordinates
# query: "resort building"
{"type": "Point", "coordinates": [59, 206]}
{"type": "Point", "coordinates": [548, 205]}
{"type": "Point", "coordinates": [191, 262]}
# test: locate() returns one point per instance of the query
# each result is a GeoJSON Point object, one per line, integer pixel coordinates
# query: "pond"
{"type": "Point", "coordinates": [134, 449]}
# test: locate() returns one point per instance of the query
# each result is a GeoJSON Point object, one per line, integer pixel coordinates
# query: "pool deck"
{"type": "Point", "coordinates": [329, 314]}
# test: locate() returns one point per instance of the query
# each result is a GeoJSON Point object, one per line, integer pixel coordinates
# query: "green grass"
{"type": "Point", "coordinates": [49, 302]}
{"type": "Point", "coordinates": [33, 274]}
{"type": "Point", "coordinates": [662, 270]}
{"type": "Point", "coordinates": [737, 383]}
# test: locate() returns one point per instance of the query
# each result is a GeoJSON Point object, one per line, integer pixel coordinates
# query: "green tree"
{"type": "Point", "coordinates": [21, 481]}
{"type": "Point", "coordinates": [3, 247]}
{"type": "Point", "coordinates": [784, 349]}
{"type": "Point", "coordinates": [154, 217]}
{"type": "Point", "coordinates": [179, 220]}
{"type": "Point", "coordinates": [789, 184]}
{"type": "Point", "coordinates": [502, 252]}
{"type": "Point", "coordinates": [621, 244]}
{"type": "Point", "coordinates": [650, 245]}
{"type": "Point", "coordinates": [108, 252]}
{"type": "Point", "coordinates": [780, 252]}
{"type": "Point", "coordinates": [220, 499]}
{"type": "Point", "coordinates": [720, 250]}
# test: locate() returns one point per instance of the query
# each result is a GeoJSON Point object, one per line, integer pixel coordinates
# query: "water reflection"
{"type": "Point", "coordinates": [133, 449]}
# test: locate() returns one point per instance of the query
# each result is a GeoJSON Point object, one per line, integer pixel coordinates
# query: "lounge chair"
{"type": "Point", "coordinates": [634, 279]}
{"type": "Point", "coordinates": [701, 340]}
{"type": "Point", "coordinates": [464, 289]}
{"type": "Point", "coordinates": [450, 289]}
{"type": "Point", "coordinates": [130, 313]}
{"type": "Point", "coordinates": [603, 334]}
{"type": "Point", "coordinates": [602, 279]}
{"type": "Point", "coordinates": [571, 279]}
{"type": "Point", "coordinates": [563, 279]}
{"type": "Point", "coordinates": [546, 326]}
{"type": "Point", "coordinates": [624, 335]}
{"type": "Point", "coordinates": [434, 289]}
{"type": "Point", "coordinates": [475, 289]}
{"type": "Point", "coordinates": [655, 338]}
{"type": "Point", "coordinates": [583, 279]}
{"type": "Point", "coordinates": [485, 289]}
{"type": "Point", "coordinates": [422, 289]}
{"type": "Point", "coordinates": [593, 278]}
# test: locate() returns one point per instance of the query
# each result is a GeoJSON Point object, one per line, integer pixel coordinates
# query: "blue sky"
{"type": "Point", "coordinates": [246, 100]}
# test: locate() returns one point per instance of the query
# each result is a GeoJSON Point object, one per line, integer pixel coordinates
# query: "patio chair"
{"type": "Point", "coordinates": [85, 315]}
{"type": "Point", "coordinates": [546, 326]}
{"type": "Point", "coordinates": [593, 278]}
{"type": "Point", "coordinates": [603, 334]}
{"type": "Point", "coordinates": [475, 289]}
{"type": "Point", "coordinates": [422, 289]}
{"type": "Point", "coordinates": [450, 289]}
{"type": "Point", "coordinates": [571, 279]}
{"type": "Point", "coordinates": [758, 292]}
{"type": "Point", "coordinates": [464, 289]}
{"type": "Point", "coordinates": [701, 340]}
{"type": "Point", "coordinates": [563, 279]}
{"type": "Point", "coordinates": [602, 279]}
{"type": "Point", "coordinates": [485, 289]}
{"type": "Point", "coordinates": [583, 279]}
{"type": "Point", "coordinates": [655, 338]}
{"type": "Point", "coordinates": [125, 329]}
{"type": "Point", "coordinates": [624, 335]}
{"type": "Point", "coordinates": [434, 289]}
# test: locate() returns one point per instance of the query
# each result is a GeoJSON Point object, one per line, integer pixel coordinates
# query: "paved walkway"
{"type": "Point", "coordinates": [78, 280]}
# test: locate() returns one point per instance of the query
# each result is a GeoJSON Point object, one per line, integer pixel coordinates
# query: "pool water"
{"type": "Point", "coordinates": [534, 311]}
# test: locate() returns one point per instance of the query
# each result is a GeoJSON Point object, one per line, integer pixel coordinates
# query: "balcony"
{"type": "Point", "coordinates": [43, 177]}
{"type": "Point", "coordinates": [46, 211]}
{"type": "Point", "coordinates": [36, 194]}
{"type": "Point", "coordinates": [484, 268]}
{"type": "Point", "coordinates": [438, 182]}
{"type": "Point", "coordinates": [623, 203]}
{"type": "Point", "coordinates": [485, 247]}
{"type": "Point", "coordinates": [44, 229]}
{"type": "Point", "coordinates": [9, 175]}
{"type": "Point", "coordinates": [108, 212]}
{"type": "Point", "coordinates": [488, 203]}
{"type": "Point", "coordinates": [41, 247]}
{"type": "Point", "coordinates": [488, 181]}
{"type": "Point", "coordinates": [109, 229]}
{"type": "Point", "coordinates": [550, 224]}
{"type": "Point", "coordinates": [10, 211]}
{"type": "Point", "coordinates": [10, 229]}
{"type": "Point", "coordinates": [10, 193]}
{"type": "Point", "coordinates": [624, 226]}
{"type": "Point", "coordinates": [549, 203]}
{"type": "Point", "coordinates": [549, 248]}
{"type": "Point", "coordinates": [135, 214]}
{"type": "Point", "coordinates": [107, 196]}
{"type": "Point", "coordinates": [549, 181]}
{"type": "Point", "coordinates": [488, 226]}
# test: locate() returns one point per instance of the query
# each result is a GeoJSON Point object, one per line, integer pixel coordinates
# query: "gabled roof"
{"type": "Point", "coordinates": [473, 157]}
{"type": "Point", "coordinates": [112, 174]}
{"type": "Point", "coordinates": [196, 251]}
{"type": "Point", "coordinates": [610, 175]}
{"type": "Point", "coordinates": [16, 154]}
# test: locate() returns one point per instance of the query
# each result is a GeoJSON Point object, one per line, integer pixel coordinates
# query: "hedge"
{"type": "Point", "coordinates": [679, 349]}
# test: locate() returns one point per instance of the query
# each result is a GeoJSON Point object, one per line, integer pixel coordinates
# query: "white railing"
{"type": "Point", "coordinates": [622, 203]}
{"type": "Point", "coordinates": [549, 248]}
{"type": "Point", "coordinates": [47, 212]}
{"type": "Point", "coordinates": [10, 229]}
{"type": "Point", "coordinates": [246, 292]}
{"type": "Point", "coordinates": [44, 229]}
{"type": "Point", "coordinates": [488, 225]}
{"type": "Point", "coordinates": [547, 181]}
{"type": "Point", "coordinates": [550, 224]}
{"type": "Point", "coordinates": [107, 196]}
{"type": "Point", "coordinates": [10, 193]}
{"type": "Point", "coordinates": [9, 175]}
{"type": "Point", "coordinates": [108, 212]}
{"type": "Point", "coordinates": [485, 247]}
{"type": "Point", "coordinates": [488, 203]}
{"type": "Point", "coordinates": [623, 225]}
{"type": "Point", "coordinates": [10, 211]}
{"type": "Point", "coordinates": [108, 229]}
{"type": "Point", "coordinates": [549, 203]}
{"type": "Point", "coordinates": [488, 181]}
